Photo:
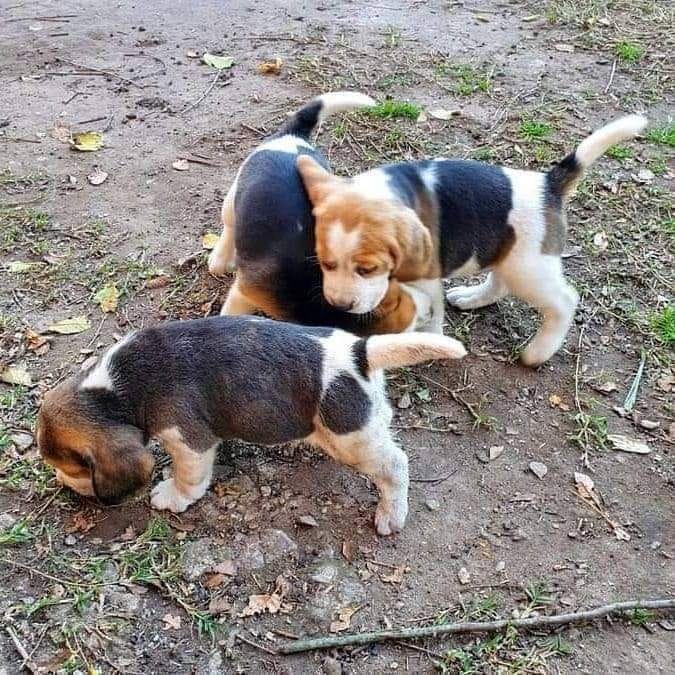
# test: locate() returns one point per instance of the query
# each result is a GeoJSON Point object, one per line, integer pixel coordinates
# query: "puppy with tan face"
{"type": "Point", "coordinates": [191, 384]}
{"type": "Point", "coordinates": [419, 222]}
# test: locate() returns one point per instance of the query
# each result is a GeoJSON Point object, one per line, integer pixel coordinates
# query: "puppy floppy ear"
{"type": "Point", "coordinates": [413, 238]}
{"type": "Point", "coordinates": [316, 179]}
{"type": "Point", "coordinates": [120, 464]}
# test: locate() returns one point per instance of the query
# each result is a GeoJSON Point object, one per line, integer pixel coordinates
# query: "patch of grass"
{"type": "Point", "coordinates": [393, 37]}
{"type": "Point", "coordinates": [19, 533]}
{"type": "Point", "coordinates": [392, 138]}
{"type": "Point", "coordinates": [19, 225]}
{"type": "Point", "coordinates": [391, 109]}
{"type": "Point", "coordinates": [668, 225]}
{"type": "Point", "coordinates": [576, 12]}
{"type": "Point", "coordinates": [591, 431]}
{"type": "Point", "coordinates": [664, 135]}
{"type": "Point", "coordinates": [484, 154]}
{"type": "Point", "coordinates": [17, 474]}
{"type": "Point", "coordinates": [658, 165]}
{"type": "Point", "coordinates": [468, 78]}
{"type": "Point", "coordinates": [620, 152]}
{"type": "Point", "coordinates": [534, 129]}
{"type": "Point", "coordinates": [543, 154]}
{"type": "Point", "coordinates": [630, 52]}
{"type": "Point", "coordinates": [663, 325]}
{"type": "Point", "coordinates": [640, 617]}
{"type": "Point", "coordinates": [538, 595]}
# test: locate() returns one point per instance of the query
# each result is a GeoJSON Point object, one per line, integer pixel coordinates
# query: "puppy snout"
{"type": "Point", "coordinates": [344, 305]}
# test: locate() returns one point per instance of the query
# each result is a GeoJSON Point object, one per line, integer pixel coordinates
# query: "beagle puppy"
{"type": "Point", "coordinates": [268, 237]}
{"type": "Point", "coordinates": [192, 383]}
{"type": "Point", "coordinates": [425, 220]}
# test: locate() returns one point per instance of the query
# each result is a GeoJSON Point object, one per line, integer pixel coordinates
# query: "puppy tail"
{"type": "Point", "coordinates": [406, 349]}
{"type": "Point", "coordinates": [563, 177]}
{"type": "Point", "coordinates": [303, 122]}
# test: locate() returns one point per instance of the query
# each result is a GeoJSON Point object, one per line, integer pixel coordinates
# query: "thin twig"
{"type": "Point", "coordinates": [191, 106]}
{"type": "Point", "coordinates": [101, 71]}
{"type": "Point", "coordinates": [471, 626]}
{"type": "Point", "coordinates": [256, 645]}
{"type": "Point", "coordinates": [631, 396]}
{"type": "Point", "coordinates": [434, 480]}
{"type": "Point", "coordinates": [27, 663]}
{"type": "Point", "coordinates": [611, 77]}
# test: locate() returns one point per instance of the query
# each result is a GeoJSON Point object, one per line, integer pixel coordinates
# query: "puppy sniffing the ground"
{"type": "Point", "coordinates": [192, 383]}
{"type": "Point", "coordinates": [421, 221]}
{"type": "Point", "coordinates": [268, 236]}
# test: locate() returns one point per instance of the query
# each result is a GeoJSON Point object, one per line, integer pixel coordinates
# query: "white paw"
{"type": "Point", "coordinates": [463, 297]}
{"type": "Point", "coordinates": [219, 265]}
{"type": "Point", "coordinates": [166, 497]}
{"type": "Point", "coordinates": [537, 353]}
{"type": "Point", "coordinates": [390, 517]}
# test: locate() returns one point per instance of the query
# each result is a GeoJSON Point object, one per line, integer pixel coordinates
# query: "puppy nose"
{"type": "Point", "coordinates": [345, 306]}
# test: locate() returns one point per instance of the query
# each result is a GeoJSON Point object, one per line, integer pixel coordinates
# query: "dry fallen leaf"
{"type": "Point", "coordinates": [35, 342]}
{"type": "Point", "coordinates": [557, 402]}
{"type": "Point", "coordinates": [601, 241]}
{"type": "Point", "coordinates": [80, 522]}
{"type": "Point", "coordinates": [219, 606]}
{"type": "Point", "coordinates": [209, 240]}
{"type": "Point", "coordinates": [564, 47]}
{"type": "Point", "coordinates": [442, 114]}
{"type": "Point", "coordinates": [272, 67]}
{"type": "Point", "coordinates": [307, 520]}
{"type": "Point", "coordinates": [606, 387]}
{"type": "Point", "coordinates": [97, 177]}
{"type": "Point", "coordinates": [158, 282]}
{"type": "Point", "coordinates": [21, 267]}
{"type": "Point", "coordinates": [396, 576]}
{"type": "Point", "coordinates": [77, 324]}
{"type": "Point", "coordinates": [181, 165]}
{"type": "Point", "coordinates": [422, 117]}
{"type": "Point", "coordinates": [344, 619]}
{"type": "Point", "coordinates": [61, 132]}
{"type": "Point", "coordinates": [107, 298]}
{"type": "Point", "coordinates": [259, 604]}
{"type": "Point", "coordinates": [348, 550]}
{"type": "Point", "coordinates": [626, 444]}
{"type": "Point", "coordinates": [171, 622]}
{"type": "Point", "coordinates": [218, 62]}
{"type": "Point", "coordinates": [214, 580]}
{"type": "Point", "coordinates": [16, 375]}
{"type": "Point", "coordinates": [87, 141]}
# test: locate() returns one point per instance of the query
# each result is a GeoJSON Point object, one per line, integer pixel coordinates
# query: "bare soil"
{"type": "Point", "coordinates": [86, 589]}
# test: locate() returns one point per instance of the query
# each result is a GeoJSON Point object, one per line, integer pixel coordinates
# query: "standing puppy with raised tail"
{"type": "Point", "coordinates": [421, 221]}
{"type": "Point", "coordinates": [268, 237]}
{"type": "Point", "coordinates": [192, 383]}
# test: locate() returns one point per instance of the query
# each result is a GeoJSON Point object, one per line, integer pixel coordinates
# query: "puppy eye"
{"type": "Point", "coordinates": [365, 271]}
{"type": "Point", "coordinates": [329, 266]}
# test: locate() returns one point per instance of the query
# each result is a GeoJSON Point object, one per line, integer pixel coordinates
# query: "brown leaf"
{"type": "Point", "coordinates": [557, 402]}
{"type": "Point", "coordinates": [307, 520]}
{"type": "Point", "coordinates": [606, 387]}
{"type": "Point", "coordinates": [35, 341]}
{"type": "Point", "coordinates": [171, 622]}
{"type": "Point", "coordinates": [80, 522]}
{"type": "Point", "coordinates": [344, 619]}
{"type": "Point", "coordinates": [214, 580]}
{"type": "Point", "coordinates": [219, 606]}
{"type": "Point", "coordinates": [259, 604]}
{"type": "Point", "coordinates": [272, 67]}
{"type": "Point", "coordinates": [348, 550]}
{"type": "Point", "coordinates": [61, 132]}
{"type": "Point", "coordinates": [158, 282]}
{"type": "Point", "coordinates": [396, 576]}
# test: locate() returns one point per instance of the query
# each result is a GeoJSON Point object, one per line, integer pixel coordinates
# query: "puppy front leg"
{"type": "Point", "coordinates": [221, 258]}
{"type": "Point", "coordinates": [192, 472]}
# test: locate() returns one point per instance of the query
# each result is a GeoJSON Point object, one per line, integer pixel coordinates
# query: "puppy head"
{"type": "Point", "coordinates": [92, 454]}
{"type": "Point", "coordinates": [361, 241]}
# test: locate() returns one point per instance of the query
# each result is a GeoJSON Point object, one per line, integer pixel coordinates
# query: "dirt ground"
{"type": "Point", "coordinates": [87, 589]}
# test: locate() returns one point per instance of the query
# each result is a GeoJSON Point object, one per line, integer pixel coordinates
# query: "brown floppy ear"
{"type": "Point", "coordinates": [316, 179]}
{"type": "Point", "coordinates": [120, 464]}
{"type": "Point", "coordinates": [414, 239]}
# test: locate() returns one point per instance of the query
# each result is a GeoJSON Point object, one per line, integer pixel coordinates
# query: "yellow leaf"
{"type": "Point", "coordinates": [20, 267]}
{"type": "Point", "coordinates": [218, 62]}
{"type": "Point", "coordinates": [76, 324]}
{"type": "Point", "coordinates": [209, 240]}
{"type": "Point", "coordinates": [107, 298]}
{"type": "Point", "coordinates": [87, 141]}
{"type": "Point", "coordinates": [16, 375]}
{"type": "Point", "coordinates": [270, 67]}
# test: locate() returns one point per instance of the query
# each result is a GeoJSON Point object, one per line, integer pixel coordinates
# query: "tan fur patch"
{"type": "Point", "coordinates": [395, 313]}
{"type": "Point", "coordinates": [261, 299]}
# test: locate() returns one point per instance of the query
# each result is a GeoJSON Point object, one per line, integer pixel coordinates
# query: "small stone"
{"type": "Point", "coordinates": [7, 520]}
{"type": "Point", "coordinates": [308, 521]}
{"type": "Point", "coordinates": [70, 540]}
{"type": "Point", "coordinates": [649, 424]}
{"type": "Point", "coordinates": [265, 490]}
{"type": "Point", "coordinates": [325, 573]}
{"type": "Point", "coordinates": [538, 469]}
{"type": "Point", "coordinates": [22, 440]}
{"type": "Point", "coordinates": [463, 576]}
{"type": "Point", "coordinates": [496, 451]}
{"type": "Point", "coordinates": [572, 534]}
{"type": "Point", "coordinates": [432, 504]}
{"type": "Point", "coordinates": [394, 665]}
{"type": "Point", "coordinates": [404, 402]}
{"type": "Point", "coordinates": [500, 566]}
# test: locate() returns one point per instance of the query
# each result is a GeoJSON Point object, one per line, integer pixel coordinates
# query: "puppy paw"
{"type": "Point", "coordinates": [535, 354]}
{"type": "Point", "coordinates": [220, 265]}
{"type": "Point", "coordinates": [463, 297]}
{"type": "Point", "coordinates": [390, 517]}
{"type": "Point", "coordinates": [165, 496]}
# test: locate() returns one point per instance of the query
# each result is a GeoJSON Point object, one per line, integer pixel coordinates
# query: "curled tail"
{"type": "Point", "coordinates": [563, 177]}
{"type": "Point", "coordinates": [305, 120]}
{"type": "Point", "coordinates": [406, 349]}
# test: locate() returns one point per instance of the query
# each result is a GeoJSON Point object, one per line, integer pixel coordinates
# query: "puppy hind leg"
{"type": "Point", "coordinates": [222, 257]}
{"type": "Point", "coordinates": [236, 302]}
{"type": "Point", "coordinates": [473, 297]}
{"type": "Point", "coordinates": [546, 289]}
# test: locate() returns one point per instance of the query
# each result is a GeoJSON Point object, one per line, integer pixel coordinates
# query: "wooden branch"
{"type": "Point", "coordinates": [330, 641]}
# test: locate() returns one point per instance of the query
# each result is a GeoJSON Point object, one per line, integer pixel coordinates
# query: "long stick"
{"type": "Point", "coordinates": [471, 627]}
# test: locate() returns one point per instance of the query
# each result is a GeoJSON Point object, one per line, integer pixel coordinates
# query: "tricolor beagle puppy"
{"type": "Point", "coordinates": [425, 220]}
{"type": "Point", "coordinates": [268, 236]}
{"type": "Point", "coordinates": [192, 383]}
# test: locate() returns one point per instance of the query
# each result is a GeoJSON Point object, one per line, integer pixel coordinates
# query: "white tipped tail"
{"type": "Point", "coordinates": [604, 138]}
{"type": "Point", "coordinates": [406, 349]}
{"type": "Point", "coordinates": [340, 101]}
